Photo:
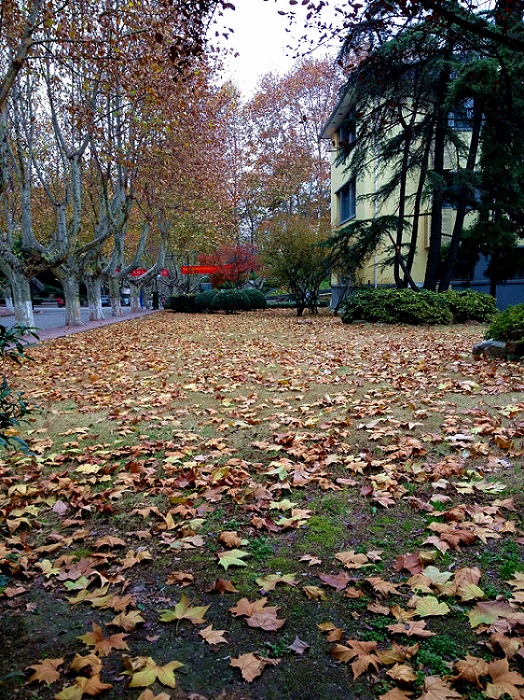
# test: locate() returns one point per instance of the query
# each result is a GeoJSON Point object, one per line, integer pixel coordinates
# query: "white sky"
{"type": "Point", "coordinates": [261, 39]}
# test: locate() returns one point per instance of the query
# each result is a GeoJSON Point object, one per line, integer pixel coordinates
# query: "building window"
{"type": "Point", "coordinates": [461, 118]}
{"type": "Point", "coordinates": [347, 132]}
{"type": "Point", "coordinates": [347, 201]}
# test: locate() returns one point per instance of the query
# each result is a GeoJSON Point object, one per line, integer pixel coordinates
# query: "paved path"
{"type": "Point", "coordinates": [55, 328]}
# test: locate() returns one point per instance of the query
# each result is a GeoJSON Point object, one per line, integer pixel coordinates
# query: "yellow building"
{"type": "Point", "coordinates": [354, 197]}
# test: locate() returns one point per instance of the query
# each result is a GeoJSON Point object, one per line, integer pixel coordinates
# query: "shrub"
{"type": "Point", "coordinates": [204, 300]}
{"type": "Point", "coordinates": [257, 299]}
{"type": "Point", "coordinates": [181, 303]}
{"type": "Point", "coordinates": [230, 300]}
{"type": "Point", "coordinates": [468, 305]}
{"type": "Point", "coordinates": [508, 324]}
{"type": "Point", "coordinates": [396, 306]}
{"type": "Point", "coordinates": [13, 408]}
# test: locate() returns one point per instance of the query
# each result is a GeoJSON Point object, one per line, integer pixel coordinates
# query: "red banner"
{"type": "Point", "coordinates": [203, 269]}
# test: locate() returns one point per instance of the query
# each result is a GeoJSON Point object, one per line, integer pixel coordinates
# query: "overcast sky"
{"type": "Point", "coordinates": [261, 39]}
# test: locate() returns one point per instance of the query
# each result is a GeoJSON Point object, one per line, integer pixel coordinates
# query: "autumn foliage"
{"type": "Point", "coordinates": [233, 263]}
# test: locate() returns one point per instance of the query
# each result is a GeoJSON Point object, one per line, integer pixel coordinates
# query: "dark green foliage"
{"type": "Point", "coordinates": [257, 299]}
{"type": "Point", "coordinates": [468, 305]}
{"type": "Point", "coordinates": [181, 303]}
{"type": "Point", "coordinates": [508, 324]}
{"type": "Point", "coordinates": [204, 300]}
{"type": "Point", "coordinates": [12, 405]}
{"type": "Point", "coordinates": [230, 300]}
{"type": "Point", "coordinates": [396, 306]}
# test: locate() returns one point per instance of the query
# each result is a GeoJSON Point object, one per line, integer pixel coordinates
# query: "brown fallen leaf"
{"type": "Point", "coordinates": [103, 646]}
{"type": "Point", "coordinates": [298, 646]}
{"type": "Point", "coordinates": [212, 636]}
{"type": "Point", "coordinates": [252, 665]}
{"type": "Point", "coordinates": [45, 671]}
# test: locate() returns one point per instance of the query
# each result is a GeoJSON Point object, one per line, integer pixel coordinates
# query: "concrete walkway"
{"type": "Point", "coordinates": [59, 332]}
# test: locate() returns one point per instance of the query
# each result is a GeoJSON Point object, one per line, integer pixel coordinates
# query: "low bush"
{"type": "Point", "coordinates": [257, 299]}
{"type": "Point", "coordinates": [508, 324]}
{"type": "Point", "coordinates": [396, 306]}
{"type": "Point", "coordinates": [468, 305]}
{"type": "Point", "coordinates": [181, 303]}
{"type": "Point", "coordinates": [13, 407]}
{"type": "Point", "coordinates": [204, 300]}
{"type": "Point", "coordinates": [230, 300]}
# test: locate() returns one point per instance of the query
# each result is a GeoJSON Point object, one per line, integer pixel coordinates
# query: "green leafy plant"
{"type": "Point", "coordinates": [468, 305]}
{"type": "Point", "coordinates": [257, 299]}
{"type": "Point", "coordinates": [13, 407]}
{"type": "Point", "coordinates": [181, 303]}
{"type": "Point", "coordinates": [230, 300]}
{"type": "Point", "coordinates": [396, 306]}
{"type": "Point", "coordinates": [204, 300]}
{"type": "Point", "coordinates": [508, 324]}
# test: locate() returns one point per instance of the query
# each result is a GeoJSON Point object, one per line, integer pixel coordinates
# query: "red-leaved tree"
{"type": "Point", "coordinates": [233, 263]}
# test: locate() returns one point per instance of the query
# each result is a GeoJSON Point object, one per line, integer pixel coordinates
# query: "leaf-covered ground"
{"type": "Point", "coordinates": [256, 506]}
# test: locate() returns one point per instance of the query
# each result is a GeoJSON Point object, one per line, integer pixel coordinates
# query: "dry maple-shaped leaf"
{"type": "Point", "coordinates": [411, 562]}
{"type": "Point", "coordinates": [222, 585]}
{"type": "Point", "coordinates": [470, 670]}
{"type": "Point", "coordinates": [212, 636]}
{"type": "Point", "coordinates": [435, 688]}
{"type": "Point", "coordinates": [385, 588]}
{"type": "Point", "coordinates": [352, 560]}
{"type": "Point", "coordinates": [257, 614]}
{"type": "Point", "coordinates": [184, 611]}
{"type": "Point", "coordinates": [503, 681]}
{"type": "Point", "coordinates": [361, 651]}
{"type": "Point", "coordinates": [232, 557]}
{"type": "Point", "coordinates": [109, 541]}
{"type": "Point", "coordinates": [101, 645]}
{"type": "Point", "coordinates": [509, 646]}
{"type": "Point", "coordinates": [311, 559]}
{"type": "Point", "coordinates": [411, 629]}
{"type": "Point", "coordinates": [336, 581]}
{"type": "Point", "coordinates": [396, 694]}
{"type": "Point", "coordinates": [144, 671]}
{"type": "Point", "coordinates": [298, 646]}
{"type": "Point", "coordinates": [429, 606]}
{"type": "Point", "coordinates": [83, 686]}
{"type": "Point", "coordinates": [45, 671]}
{"type": "Point", "coordinates": [230, 539]}
{"type": "Point", "coordinates": [487, 612]}
{"type": "Point", "coordinates": [266, 619]}
{"type": "Point", "coordinates": [132, 558]}
{"type": "Point", "coordinates": [180, 578]}
{"type": "Point", "coordinates": [148, 694]}
{"type": "Point", "coordinates": [252, 665]}
{"type": "Point", "coordinates": [315, 592]}
{"type": "Point", "coordinates": [269, 583]}
{"type": "Point", "coordinates": [91, 662]}
{"type": "Point", "coordinates": [403, 673]}
{"type": "Point", "coordinates": [397, 653]}
{"type": "Point", "coordinates": [127, 621]}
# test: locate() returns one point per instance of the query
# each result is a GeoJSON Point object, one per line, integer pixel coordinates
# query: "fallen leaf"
{"type": "Point", "coordinates": [45, 671]}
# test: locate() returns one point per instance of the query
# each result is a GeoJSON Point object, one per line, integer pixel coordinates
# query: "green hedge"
{"type": "Point", "coordinates": [181, 303]}
{"type": "Point", "coordinates": [508, 324]}
{"type": "Point", "coordinates": [468, 305]}
{"type": "Point", "coordinates": [257, 299]}
{"type": "Point", "coordinates": [230, 300]}
{"type": "Point", "coordinates": [396, 306]}
{"type": "Point", "coordinates": [204, 300]}
{"type": "Point", "coordinates": [424, 307]}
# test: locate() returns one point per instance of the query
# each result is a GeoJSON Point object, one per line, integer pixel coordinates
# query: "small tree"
{"type": "Point", "coordinates": [298, 257]}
